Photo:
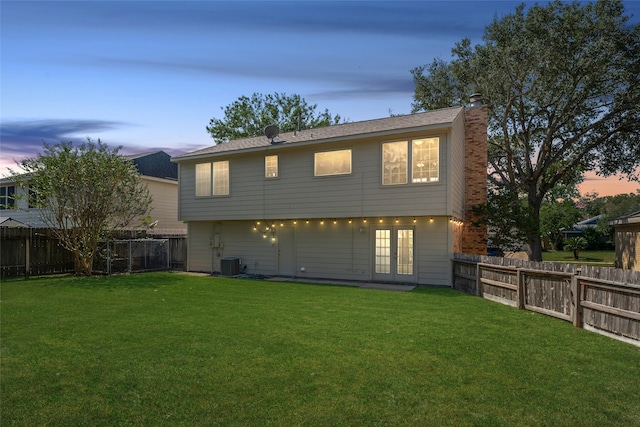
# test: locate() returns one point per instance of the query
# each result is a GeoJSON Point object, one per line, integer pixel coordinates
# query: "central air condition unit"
{"type": "Point", "coordinates": [230, 266]}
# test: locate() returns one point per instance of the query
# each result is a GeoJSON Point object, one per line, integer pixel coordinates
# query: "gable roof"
{"type": "Point", "coordinates": [12, 223]}
{"type": "Point", "coordinates": [155, 164]}
{"type": "Point", "coordinates": [590, 222]}
{"type": "Point", "coordinates": [410, 122]}
{"type": "Point", "coordinates": [630, 218]}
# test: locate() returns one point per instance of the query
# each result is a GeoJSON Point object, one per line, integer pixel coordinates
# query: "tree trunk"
{"type": "Point", "coordinates": [535, 248]}
{"type": "Point", "coordinates": [77, 263]}
{"type": "Point", "coordinates": [87, 265]}
{"type": "Point", "coordinates": [534, 238]}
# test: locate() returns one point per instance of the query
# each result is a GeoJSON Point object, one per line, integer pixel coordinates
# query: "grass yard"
{"type": "Point", "coordinates": [604, 258]}
{"type": "Point", "coordinates": [167, 349]}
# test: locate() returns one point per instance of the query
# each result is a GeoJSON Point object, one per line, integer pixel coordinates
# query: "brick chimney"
{"type": "Point", "coordinates": [474, 239]}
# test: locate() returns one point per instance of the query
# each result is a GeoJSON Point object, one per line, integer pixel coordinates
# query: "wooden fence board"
{"type": "Point", "coordinates": [28, 252]}
{"type": "Point", "coordinates": [602, 299]}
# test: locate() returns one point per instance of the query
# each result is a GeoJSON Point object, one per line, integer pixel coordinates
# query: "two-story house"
{"type": "Point", "coordinates": [381, 200]}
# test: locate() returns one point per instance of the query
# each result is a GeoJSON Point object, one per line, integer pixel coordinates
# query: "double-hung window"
{"type": "Point", "coordinates": [271, 166]}
{"type": "Point", "coordinates": [417, 159]}
{"type": "Point", "coordinates": [212, 179]}
{"type": "Point", "coordinates": [7, 197]}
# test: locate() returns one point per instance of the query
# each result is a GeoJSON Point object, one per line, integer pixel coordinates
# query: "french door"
{"type": "Point", "coordinates": [393, 259]}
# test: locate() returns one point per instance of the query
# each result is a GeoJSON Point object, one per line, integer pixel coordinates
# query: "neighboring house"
{"type": "Point", "coordinates": [578, 228]}
{"type": "Point", "coordinates": [9, 222]}
{"type": "Point", "coordinates": [161, 176]}
{"type": "Point", "coordinates": [627, 240]}
{"type": "Point", "coordinates": [381, 200]}
{"type": "Point", "coordinates": [157, 172]}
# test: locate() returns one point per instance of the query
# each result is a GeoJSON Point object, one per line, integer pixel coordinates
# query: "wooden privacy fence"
{"type": "Point", "coordinates": [603, 300]}
{"type": "Point", "coordinates": [28, 252]}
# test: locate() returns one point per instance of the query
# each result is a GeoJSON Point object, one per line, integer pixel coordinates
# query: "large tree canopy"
{"type": "Point", "coordinates": [247, 117]}
{"type": "Point", "coordinates": [562, 85]}
{"type": "Point", "coordinates": [82, 193]}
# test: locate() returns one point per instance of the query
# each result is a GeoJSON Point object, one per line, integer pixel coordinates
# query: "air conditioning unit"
{"type": "Point", "coordinates": [230, 266]}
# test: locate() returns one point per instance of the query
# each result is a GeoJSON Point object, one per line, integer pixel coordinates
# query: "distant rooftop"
{"type": "Point", "coordinates": [155, 164]}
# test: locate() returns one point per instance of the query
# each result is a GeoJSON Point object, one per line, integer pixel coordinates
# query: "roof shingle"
{"type": "Point", "coordinates": [327, 133]}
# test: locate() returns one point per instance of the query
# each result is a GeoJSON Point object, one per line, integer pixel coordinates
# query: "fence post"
{"type": "Point", "coordinates": [520, 279]}
{"type": "Point", "coordinates": [576, 290]}
{"type": "Point", "coordinates": [130, 258]}
{"type": "Point", "coordinates": [478, 281]}
{"type": "Point", "coordinates": [27, 255]}
{"type": "Point", "coordinates": [168, 243]}
{"type": "Point", "coordinates": [108, 258]}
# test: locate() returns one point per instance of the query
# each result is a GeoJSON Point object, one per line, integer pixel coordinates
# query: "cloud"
{"type": "Point", "coordinates": [412, 19]}
{"type": "Point", "coordinates": [20, 138]}
{"type": "Point", "coordinates": [368, 88]}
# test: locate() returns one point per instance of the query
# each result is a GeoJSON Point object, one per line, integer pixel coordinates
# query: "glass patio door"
{"type": "Point", "coordinates": [394, 254]}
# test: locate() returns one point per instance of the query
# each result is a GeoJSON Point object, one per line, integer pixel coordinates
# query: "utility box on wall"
{"type": "Point", "coordinates": [230, 266]}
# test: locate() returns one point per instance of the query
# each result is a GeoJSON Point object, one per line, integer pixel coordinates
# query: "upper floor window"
{"type": "Point", "coordinates": [418, 158]}
{"type": "Point", "coordinates": [7, 197]}
{"type": "Point", "coordinates": [332, 163]}
{"type": "Point", "coordinates": [271, 166]}
{"type": "Point", "coordinates": [212, 179]}
{"type": "Point", "coordinates": [394, 163]}
{"type": "Point", "coordinates": [425, 154]}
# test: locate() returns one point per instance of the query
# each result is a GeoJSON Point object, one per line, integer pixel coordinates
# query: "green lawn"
{"type": "Point", "coordinates": [167, 349]}
{"type": "Point", "coordinates": [605, 258]}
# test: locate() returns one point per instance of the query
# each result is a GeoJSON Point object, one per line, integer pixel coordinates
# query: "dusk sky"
{"type": "Point", "coordinates": [149, 75]}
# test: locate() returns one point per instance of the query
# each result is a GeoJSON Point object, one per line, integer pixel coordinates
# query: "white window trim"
{"type": "Point", "coordinates": [409, 169]}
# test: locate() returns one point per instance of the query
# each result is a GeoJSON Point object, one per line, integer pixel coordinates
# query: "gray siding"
{"type": "Point", "coordinates": [330, 251]}
{"type": "Point", "coordinates": [296, 193]}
